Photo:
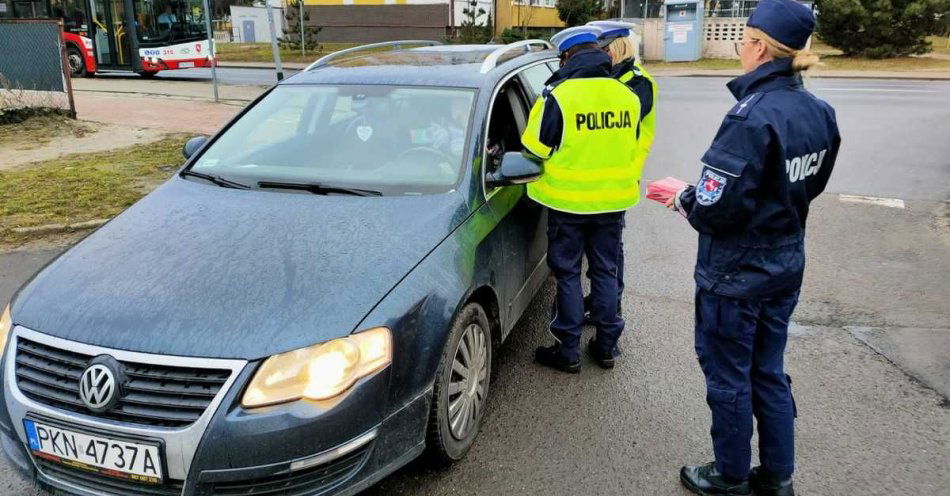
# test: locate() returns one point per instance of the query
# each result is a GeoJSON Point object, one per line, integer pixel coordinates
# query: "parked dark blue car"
{"type": "Point", "coordinates": [309, 304]}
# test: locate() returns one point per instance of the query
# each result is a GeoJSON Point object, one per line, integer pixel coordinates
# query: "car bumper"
{"type": "Point", "coordinates": [299, 448]}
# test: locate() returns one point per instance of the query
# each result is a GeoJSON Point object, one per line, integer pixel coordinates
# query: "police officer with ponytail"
{"type": "Point", "coordinates": [772, 156]}
{"type": "Point", "coordinates": [584, 128]}
{"type": "Point", "coordinates": [616, 40]}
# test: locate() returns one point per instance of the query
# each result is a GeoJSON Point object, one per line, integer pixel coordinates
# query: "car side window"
{"type": "Point", "coordinates": [534, 78]}
{"type": "Point", "coordinates": [508, 119]}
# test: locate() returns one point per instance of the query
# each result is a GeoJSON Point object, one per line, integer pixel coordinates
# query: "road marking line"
{"type": "Point", "coordinates": [879, 90]}
{"type": "Point", "coordinates": [872, 200]}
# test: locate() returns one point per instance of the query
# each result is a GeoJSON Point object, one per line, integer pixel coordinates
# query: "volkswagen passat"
{"type": "Point", "coordinates": [312, 301]}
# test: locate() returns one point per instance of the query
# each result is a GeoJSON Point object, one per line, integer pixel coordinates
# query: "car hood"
{"type": "Point", "coordinates": [198, 270]}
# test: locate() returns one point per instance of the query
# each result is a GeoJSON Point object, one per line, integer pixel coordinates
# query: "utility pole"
{"type": "Point", "coordinates": [273, 40]}
{"type": "Point", "coordinates": [303, 42]}
{"type": "Point", "coordinates": [214, 71]}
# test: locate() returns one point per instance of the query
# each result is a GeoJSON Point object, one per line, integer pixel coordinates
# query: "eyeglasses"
{"type": "Point", "coordinates": [738, 44]}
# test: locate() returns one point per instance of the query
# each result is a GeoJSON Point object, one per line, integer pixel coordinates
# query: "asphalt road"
{"type": "Point", "coordinates": [867, 353]}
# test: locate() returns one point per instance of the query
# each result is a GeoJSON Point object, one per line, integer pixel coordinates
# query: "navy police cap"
{"type": "Point", "coordinates": [571, 37]}
{"type": "Point", "coordinates": [612, 30]}
{"type": "Point", "coordinates": [787, 21]}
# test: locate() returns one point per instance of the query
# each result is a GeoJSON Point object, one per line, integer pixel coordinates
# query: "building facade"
{"type": "Point", "coordinates": [527, 14]}
{"type": "Point", "coordinates": [368, 21]}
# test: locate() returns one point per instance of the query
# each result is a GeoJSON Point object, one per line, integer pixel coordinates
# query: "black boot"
{"type": "Point", "coordinates": [605, 359]}
{"type": "Point", "coordinates": [551, 357]}
{"type": "Point", "coordinates": [705, 479]}
{"type": "Point", "coordinates": [763, 483]}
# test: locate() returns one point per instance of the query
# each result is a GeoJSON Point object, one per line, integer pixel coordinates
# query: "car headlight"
{"type": "Point", "coordinates": [321, 371]}
{"type": "Point", "coordinates": [5, 325]}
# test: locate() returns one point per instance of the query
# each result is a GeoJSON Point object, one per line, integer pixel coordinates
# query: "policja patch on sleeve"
{"type": "Point", "coordinates": [710, 188]}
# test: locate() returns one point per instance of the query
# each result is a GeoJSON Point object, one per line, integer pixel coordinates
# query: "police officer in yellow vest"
{"type": "Point", "coordinates": [584, 128]}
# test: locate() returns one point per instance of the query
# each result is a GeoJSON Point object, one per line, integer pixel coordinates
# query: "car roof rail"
{"type": "Point", "coordinates": [492, 60]}
{"type": "Point", "coordinates": [396, 45]}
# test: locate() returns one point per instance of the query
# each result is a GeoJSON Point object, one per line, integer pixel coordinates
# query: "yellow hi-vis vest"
{"type": "Point", "coordinates": [648, 123]}
{"type": "Point", "coordinates": [593, 170]}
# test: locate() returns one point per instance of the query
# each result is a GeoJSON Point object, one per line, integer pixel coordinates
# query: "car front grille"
{"type": "Point", "coordinates": [309, 481]}
{"type": "Point", "coordinates": [158, 395]}
{"type": "Point", "coordinates": [103, 484]}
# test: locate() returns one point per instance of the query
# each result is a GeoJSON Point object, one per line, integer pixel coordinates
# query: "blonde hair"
{"type": "Point", "coordinates": [802, 60]}
{"type": "Point", "coordinates": [623, 49]}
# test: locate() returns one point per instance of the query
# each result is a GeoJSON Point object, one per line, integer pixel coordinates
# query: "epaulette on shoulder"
{"type": "Point", "coordinates": [549, 88]}
{"type": "Point", "coordinates": [745, 106]}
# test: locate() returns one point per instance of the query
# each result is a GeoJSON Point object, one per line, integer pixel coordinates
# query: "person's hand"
{"type": "Point", "coordinates": [674, 202]}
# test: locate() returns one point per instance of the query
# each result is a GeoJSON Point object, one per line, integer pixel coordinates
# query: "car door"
{"type": "Point", "coordinates": [525, 223]}
{"type": "Point", "coordinates": [532, 80]}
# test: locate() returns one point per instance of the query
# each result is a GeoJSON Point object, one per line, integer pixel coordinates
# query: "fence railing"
{"type": "Point", "coordinates": [34, 71]}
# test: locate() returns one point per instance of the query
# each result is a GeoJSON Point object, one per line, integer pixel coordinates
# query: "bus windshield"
{"type": "Point", "coordinates": [166, 22]}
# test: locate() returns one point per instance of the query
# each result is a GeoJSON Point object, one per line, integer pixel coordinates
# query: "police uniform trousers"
{"type": "Point", "coordinates": [570, 237]}
{"type": "Point", "coordinates": [620, 283]}
{"type": "Point", "coordinates": [740, 344]}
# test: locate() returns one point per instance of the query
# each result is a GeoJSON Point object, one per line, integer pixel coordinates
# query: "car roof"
{"type": "Point", "coordinates": [437, 66]}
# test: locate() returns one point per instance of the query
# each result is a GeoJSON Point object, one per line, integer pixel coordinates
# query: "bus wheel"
{"type": "Point", "coordinates": [148, 75]}
{"type": "Point", "coordinates": [77, 64]}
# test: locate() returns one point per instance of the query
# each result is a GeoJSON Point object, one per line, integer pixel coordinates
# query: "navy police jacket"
{"type": "Point", "coordinates": [772, 156]}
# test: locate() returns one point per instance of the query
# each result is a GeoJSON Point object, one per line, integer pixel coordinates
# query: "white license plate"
{"type": "Point", "coordinates": [119, 458]}
{"type": "Point", "coordinates": [185, 65]}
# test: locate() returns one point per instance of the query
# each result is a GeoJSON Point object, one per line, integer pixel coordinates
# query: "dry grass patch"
{"type": "Point", "coordinates": [83, 187]}
{"type": "Point", "coordinates": [261, 52]}
{"type": "Point", "coordinates": [38, 131]}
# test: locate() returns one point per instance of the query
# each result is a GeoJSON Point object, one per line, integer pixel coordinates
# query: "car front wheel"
{"type": "Point", "coordinates": [461, 387]}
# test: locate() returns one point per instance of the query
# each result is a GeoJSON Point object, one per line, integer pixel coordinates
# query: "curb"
{"type": "Point", "coordinates": [250, 65]}
{"type": "Point", "coordinates": [59, 228]}
{"type": "Point", "coordinates": [225, 101]}
{"type": "Point", "coordinates": [706, 73]}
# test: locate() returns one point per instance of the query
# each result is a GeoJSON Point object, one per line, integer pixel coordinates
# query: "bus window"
{"type": "Point", "coordinates": [170, 21]}
{"type": "Point", "coordinates": [74, 21]}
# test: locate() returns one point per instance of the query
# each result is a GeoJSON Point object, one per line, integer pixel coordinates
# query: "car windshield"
{"type": "Point", "coordinates": [396, 140]}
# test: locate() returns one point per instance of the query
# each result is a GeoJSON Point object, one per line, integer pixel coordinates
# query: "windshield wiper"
{"type": "Point", "coordinates": [318, 189]}
{"type": "Point", "coordinates": [220, 181]}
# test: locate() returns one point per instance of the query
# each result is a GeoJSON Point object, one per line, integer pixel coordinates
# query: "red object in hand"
{"type": "Point", "coordinates": [662, 190]}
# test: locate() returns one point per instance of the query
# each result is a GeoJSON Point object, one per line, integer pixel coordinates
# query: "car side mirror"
{"type": "Point", "coordinates": [515, 168]}
{"type": "Point", "coordinates": [193, 145]}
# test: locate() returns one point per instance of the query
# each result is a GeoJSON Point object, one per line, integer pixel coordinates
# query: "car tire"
{"type": "Point", "coordinates": [458, 401]}
{"type": "Point", "coordinates": [77, 63]}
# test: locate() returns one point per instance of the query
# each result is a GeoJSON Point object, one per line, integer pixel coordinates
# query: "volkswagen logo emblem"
{"type": "Point", "coordinates": [99, 384]}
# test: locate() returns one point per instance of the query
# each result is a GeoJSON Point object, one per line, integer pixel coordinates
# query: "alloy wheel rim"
{"type": "Point", "coordinates": [468, 381]}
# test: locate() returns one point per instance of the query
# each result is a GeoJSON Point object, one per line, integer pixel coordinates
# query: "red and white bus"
{"type": "Point", "coordinates": [143, 36]}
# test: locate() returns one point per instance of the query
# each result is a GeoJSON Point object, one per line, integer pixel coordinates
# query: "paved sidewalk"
{"type": "Point", "coordinates": [153, 112]}
{"type": "Point", "coordinates": [164, 106]}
